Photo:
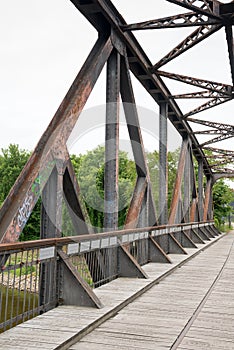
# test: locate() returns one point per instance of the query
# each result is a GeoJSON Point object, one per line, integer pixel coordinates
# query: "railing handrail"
{"type": "Point", "coordinates": [48, 242]}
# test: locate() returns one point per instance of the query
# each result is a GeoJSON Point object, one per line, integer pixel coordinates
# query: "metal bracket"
{"type": "Point", "coordinates": [156, 253]}
{"type": "Point", "coordinates": [186, 241]}
{"type": "Point", "coordinates": [76, 291]}
{"type": "Point", "coordinates": [117, 43]}
{"type": "Point", "coordinates": [196, 237]}
{"type": "Point", "coordinates": [128, 266]}
{"type": "Point", "coordinates": [174, 246]}
{"type": "Point", "coordinates": [203, 234]}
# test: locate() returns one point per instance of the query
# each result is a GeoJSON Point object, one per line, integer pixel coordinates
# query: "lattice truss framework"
{"type": "Point", "coordinates": [208, 16]}
{"type": "Point", "coordinates": [49, 172]}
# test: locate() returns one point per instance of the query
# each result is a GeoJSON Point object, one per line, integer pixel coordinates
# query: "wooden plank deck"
{"type": "Point", "coordinates": [141, 313]}
{"type": "Point", "coordinates": [165, 313]}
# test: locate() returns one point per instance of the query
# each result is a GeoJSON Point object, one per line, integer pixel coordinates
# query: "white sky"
{"type": "Point", "coordinates": [44, 43]}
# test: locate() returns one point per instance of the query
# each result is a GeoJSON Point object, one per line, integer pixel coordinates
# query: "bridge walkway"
{"type": "Point", "coordinates": [193, 308]}
{"type": "Point", "coordinates": [146, 313]}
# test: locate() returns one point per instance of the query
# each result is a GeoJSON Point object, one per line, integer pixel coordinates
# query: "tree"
{"type": "Point", "coordinates": [12, 162]}
{"type": "Point", "coordinates": [223, 195]}
{"type": "Point", "coordinates": [89, 169]}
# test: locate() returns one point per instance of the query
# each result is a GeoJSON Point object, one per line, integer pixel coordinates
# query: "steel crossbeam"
{"type": "Point", "coordinates": [201, 83]}
{"type": "Point", "coordinates": [193, 39]}
{"type": "Point", "coordinates": [207, 7]}
{"type": "Point", "coordinates": [188, 19]}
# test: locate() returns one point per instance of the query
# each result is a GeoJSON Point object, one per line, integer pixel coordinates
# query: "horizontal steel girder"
{"type": "Point", "coordinates": [201, 83]}
{"type": "Point", "coordinates": [188, 19]}
{"type": "Point", "coordinates": [208, 7]}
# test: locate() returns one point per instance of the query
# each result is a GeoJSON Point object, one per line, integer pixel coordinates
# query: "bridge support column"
{"type": "Point", "coordinates": [51, 226]}
{"type": "Point", "coordinates": [200, 190]}
{"type": "Point", "coordinates": [208, 215]}
{"type": "Point", "coordinates": [163, 168]}
{"type": "Point", "coordinates": [112, 142]}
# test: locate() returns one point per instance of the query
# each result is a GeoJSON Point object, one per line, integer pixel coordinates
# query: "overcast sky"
{"type": "Point", "coordinates": [44, 43]}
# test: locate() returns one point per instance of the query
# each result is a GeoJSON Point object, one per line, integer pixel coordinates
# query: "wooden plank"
{"type": "Point", "coordinates": [159, 316]}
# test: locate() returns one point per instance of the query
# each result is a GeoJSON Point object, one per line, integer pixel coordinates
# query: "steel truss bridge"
{"type": "Point", "coordinates": [49, 174]}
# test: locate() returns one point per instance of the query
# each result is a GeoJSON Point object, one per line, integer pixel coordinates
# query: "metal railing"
{"type": "Point", "coordinates": [32, 273]}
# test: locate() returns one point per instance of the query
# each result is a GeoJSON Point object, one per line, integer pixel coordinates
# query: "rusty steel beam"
{"type": "Point", "coordinates": [200, 190]}
{"type": "Point", "coordinates": [188, 19]}
{"type": "Point", "coordinates": [209, 132]}
{"type": "Point", "coordinates": [193, 210]}
{"type": "Point", "coordinates": [186, 187]}
{"type": "Point", "coordinates": [202, 94]}
{"type": "Point", "coordinates": [219, 151]}
{"type": "Point", "coordinates": [178, 182]}
{"type": "Point", "coordinates": [51, 213]}
{"type": "Point", "coordinates": [229, 37]}
{"type": "Point", "coordinates": [111, 188]}
{"type": "Point", "coordinates": [225, 136]}
{"type": "Point", "coordinates": [212, 103]}
{"type": "Point", "coordinates": [24, 194]}
{"type": "Point", "coordinates": [163, 168]}
{"type": "Point", "coordinates": [76, 208]}
{"type": "Point", "coordinates": [225, 161]}
{"type": "Point", "coordinates": [211, 124]}
{"type": "Point", "coordinates": [106, 17]}
{"type": "Point", "coordinates": [207, 199]}
{"type": "Point", "coordinates": [193, 39]}
{"type": "Point", "coordinates": [210, 8]}
{"type": "Point", "coordinates": [134, 131]}
{"type": "Point", "coordinates": [201, 83]}
{"type": "Point", "coordinates": [225, 170]}
{"type": "Point", "coordinates": [220, 175]}
{"type": "Point", "coordinates": [220, 156]}
{"type": "Point", "coordinates": [132, 119]}
{"type": "Point", "coordinates": [136, 203]}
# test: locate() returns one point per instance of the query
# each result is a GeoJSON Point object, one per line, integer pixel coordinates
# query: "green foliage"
{"type": "Point", "coordinates": [153, 164]}
{"type": "Point", "coordinates": [223, 195]}
{"type": "Point", "coordinates": [12, 161]}
{"type": "Point", "coordinates": [89, 169]}
{"type": "Point", "coordinates": [26, 270]}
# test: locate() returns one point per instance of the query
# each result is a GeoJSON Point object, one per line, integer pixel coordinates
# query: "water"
{"type": "Point", "coordinates": [13, 303]}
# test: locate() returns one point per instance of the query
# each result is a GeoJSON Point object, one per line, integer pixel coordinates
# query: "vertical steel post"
{"type": "Point", "coordinates": [208, 200]}
{"type": "Point", "coordinates": [187, 187]}
{"type": "Point", "coordinates": [163, 168]}
{"type": "Point", "coordinates": [200, 189]}
{"type": "Point", "coordinates": [51, 226]}
{"type": "Point", "coordinates": [178, 182]}
{"type": "Point", "coordinates": [51, 212]}
{"type": "Point", "coordinates": [112, 142]}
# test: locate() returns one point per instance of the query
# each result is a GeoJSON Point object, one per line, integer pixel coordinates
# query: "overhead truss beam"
{"type": "Point", "coordinates": [207, 7]}
{"type": "Point", "coordinates": [212, 103]}
{"type": "Point", "coordinates": [219, 151]}
{"type": "Point", "coordinates": [201, 94]}
{"type": "Point", "coordinates": [211, 124]}
{"type": "Point", "coordinates": [193, 39]}
{"type": "Point", "coordinates": [201, 83]}
{"type": "Point", "coordinates": [189, 19]}
{"type": "Point", "coordinates": [225, 136]}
